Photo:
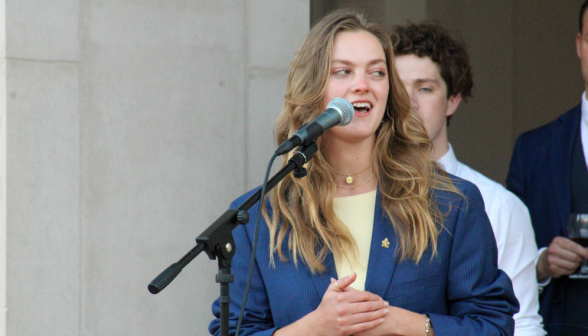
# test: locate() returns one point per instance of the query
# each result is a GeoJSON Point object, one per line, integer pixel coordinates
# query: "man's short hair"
{"type": "Point", "coordinates": [431, 40]}
{"type": "Point", "coordinates": [582, 12]}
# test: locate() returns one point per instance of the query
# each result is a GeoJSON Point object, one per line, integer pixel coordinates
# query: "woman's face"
{"type": "Point", "coordinates": [359, 75]}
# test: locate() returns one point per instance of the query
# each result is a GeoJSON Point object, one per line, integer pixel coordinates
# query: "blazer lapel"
{"type": "Point", "coordinates": [560, 160]}
{"type": "Point", "coordinates": [382, 260]}
{"type": "Point", "coordinates": [323, 280]}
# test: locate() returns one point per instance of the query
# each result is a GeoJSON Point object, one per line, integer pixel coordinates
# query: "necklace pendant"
{"type": "Point", "coordinates": [349, 179]}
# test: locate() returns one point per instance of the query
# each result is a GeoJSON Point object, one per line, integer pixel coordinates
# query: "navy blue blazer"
{"type": "Point", "coordinates": [540, 176]}
{"type": "Point", "coordinates": [460, 288]}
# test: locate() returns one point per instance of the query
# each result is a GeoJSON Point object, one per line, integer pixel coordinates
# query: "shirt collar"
{"type": "Point", "coordinates": [449, 161]}
{"type": "Point", "coordinates": [584, 109]}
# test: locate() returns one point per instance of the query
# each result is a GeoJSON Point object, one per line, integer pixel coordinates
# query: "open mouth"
{"type": "Point", "coordinates": [362, 107]}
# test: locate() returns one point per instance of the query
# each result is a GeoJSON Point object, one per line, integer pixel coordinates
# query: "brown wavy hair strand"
{"type": "Point", "coordinates": [303, 211]}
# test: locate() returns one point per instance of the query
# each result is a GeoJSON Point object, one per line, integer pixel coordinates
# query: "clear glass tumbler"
{"type": "Point", "coordinates": [578, 232]}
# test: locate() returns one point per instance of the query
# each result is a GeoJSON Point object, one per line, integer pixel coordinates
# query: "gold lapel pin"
{"type": "Point", "coordinates": [386, 243]}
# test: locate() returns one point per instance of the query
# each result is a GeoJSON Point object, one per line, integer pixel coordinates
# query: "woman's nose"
{"type": "Point", "coordinates": [360, 85]}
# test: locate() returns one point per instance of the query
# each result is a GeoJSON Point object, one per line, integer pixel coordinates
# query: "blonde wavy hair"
{"type": "Point", "coordinates": [302, 209]}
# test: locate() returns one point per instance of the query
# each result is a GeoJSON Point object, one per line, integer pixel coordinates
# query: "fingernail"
{"type": "Point", "coordinates": [381, 320]}
{"type": "Point", "coordinates": [386, 310]}
{"type": "Point", "coordinates": [386, 304]}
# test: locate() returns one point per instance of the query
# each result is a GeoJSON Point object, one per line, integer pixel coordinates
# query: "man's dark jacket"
{"type": "Point", "coordinates": [540, 176]}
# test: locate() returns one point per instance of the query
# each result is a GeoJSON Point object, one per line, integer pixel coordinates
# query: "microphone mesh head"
{"type": "Point", "coordinates": [344, 108]}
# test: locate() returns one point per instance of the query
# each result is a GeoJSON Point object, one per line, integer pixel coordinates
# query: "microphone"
{"type": "Point", "coordinates": [338, 112]}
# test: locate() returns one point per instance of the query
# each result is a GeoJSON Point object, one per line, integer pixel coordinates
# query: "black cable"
{"type": "Point", "coordinates": [252, 263]}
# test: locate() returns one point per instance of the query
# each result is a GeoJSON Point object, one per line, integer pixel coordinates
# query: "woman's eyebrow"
{"type": "Point", "coordinates": [342, 61]}
{"type": "Point", "coordinates": [346, 62]}
{"type": "Point", "coordinates": [376, 61]}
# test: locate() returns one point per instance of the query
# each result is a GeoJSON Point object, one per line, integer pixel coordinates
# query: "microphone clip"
{"type": "Point", "coordinates": [301, 157]}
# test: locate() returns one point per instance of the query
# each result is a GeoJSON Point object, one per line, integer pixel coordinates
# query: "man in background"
{"type": "Point", "coordinates": [548, 171]}
{"type": "Point", "coordinates": [435, 70]}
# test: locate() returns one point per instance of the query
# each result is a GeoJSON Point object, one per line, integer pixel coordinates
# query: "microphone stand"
{"type": "Point", "coordinates": [217, 240]}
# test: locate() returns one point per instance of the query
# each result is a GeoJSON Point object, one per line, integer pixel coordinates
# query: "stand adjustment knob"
{"type": "Point", "coordinates": [224, 278]}
{"type": "Point", "coordinates": [243, 217]}
{"type": "Point", "coordinates": [300, 172]}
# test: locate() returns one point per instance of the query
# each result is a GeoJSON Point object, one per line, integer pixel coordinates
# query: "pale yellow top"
{"type": "Point", "coordinates": [357, 212]}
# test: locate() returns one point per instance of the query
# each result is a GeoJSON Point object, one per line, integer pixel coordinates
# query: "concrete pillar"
{"type": "Point", "coordinates": [43, 166]}
{"type": "Point", "coordinates": [127, 127]}
{"type": "Point", "coordinates": [275, 30]}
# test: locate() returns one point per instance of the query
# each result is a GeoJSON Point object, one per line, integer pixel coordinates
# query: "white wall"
{"type": "Point", "coordinates": [275, 30]}
{"type": "Point", "coordinates": [43, 167]}
{"type": "Point", "coordinates": [131, 126]}
{"type": "Point", "coordinates": [3, 175]}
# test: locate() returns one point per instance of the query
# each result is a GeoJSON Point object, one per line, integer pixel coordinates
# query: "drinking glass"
{"type": "Point", "coordinates": [578, 232]}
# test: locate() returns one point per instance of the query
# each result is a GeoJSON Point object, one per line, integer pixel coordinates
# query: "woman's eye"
{"type": "Point", "coordinates": [379, 73]}
{"type": "Point", "coordinates": [341, 72]}
{"type": "Point", "coordinates": [425, 90]}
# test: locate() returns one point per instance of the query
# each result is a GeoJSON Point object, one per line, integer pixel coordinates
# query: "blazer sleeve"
{"type": "Point", "coordinates": [480, 297]}
{"type": "Point", "coordinates": [515, 181]}
{"type": "Point", "coordinates": [257, 317]}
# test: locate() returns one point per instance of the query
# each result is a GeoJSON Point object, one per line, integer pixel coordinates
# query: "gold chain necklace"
{"type": "Point", "coordinates": [357, 186]}
{"type": "Point", "coordinates": [349, 178]}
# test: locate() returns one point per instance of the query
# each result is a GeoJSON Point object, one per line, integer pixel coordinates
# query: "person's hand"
{"type": "Point", "coordinates": [345, 311]}
{"type": "Point", "coordinates": [562, 257]}
{"type": "Point", "coordinates": [397, 322]}
{"type": "Point", "coordinates": [400, 322]}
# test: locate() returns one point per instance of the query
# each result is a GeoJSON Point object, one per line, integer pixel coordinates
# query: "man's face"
{"type": "Point", "coordinates": [582, 48]}
{"type": "Point", "coordinates": [428, 94]}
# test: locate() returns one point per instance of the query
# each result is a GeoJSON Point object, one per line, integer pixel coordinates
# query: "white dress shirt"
{"type": "Point", "coordinates": [515, 240]}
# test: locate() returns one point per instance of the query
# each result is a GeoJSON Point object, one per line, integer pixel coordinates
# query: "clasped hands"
{"type": "Point", "coordinates": [345, 311]}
